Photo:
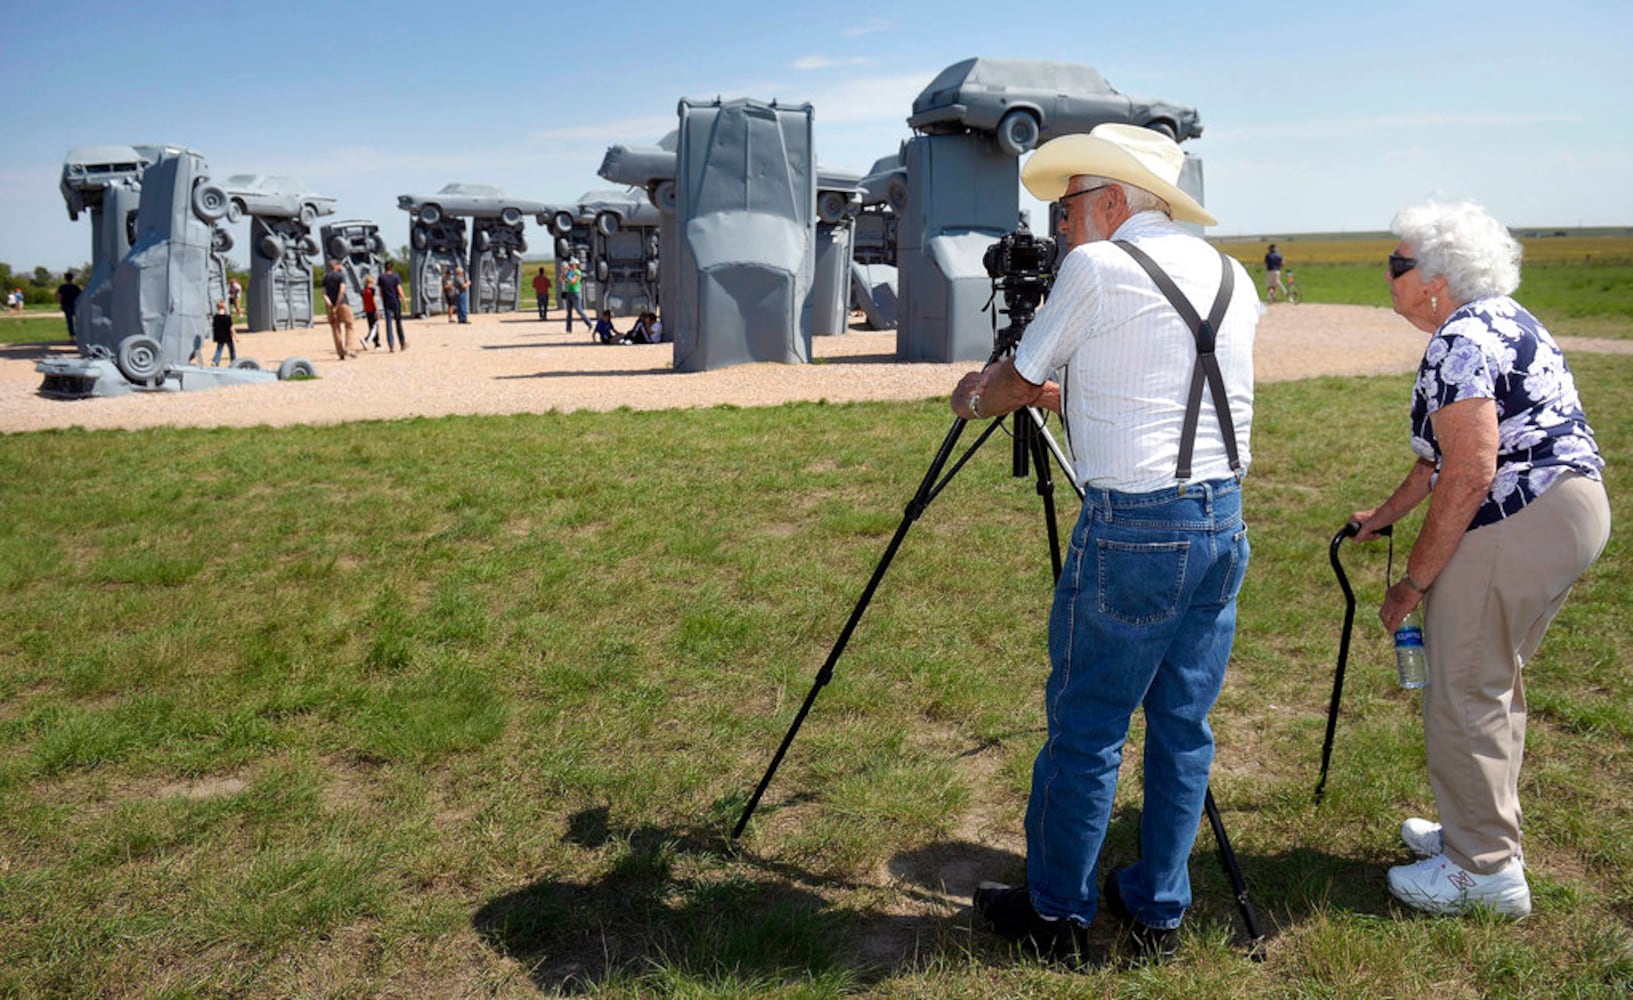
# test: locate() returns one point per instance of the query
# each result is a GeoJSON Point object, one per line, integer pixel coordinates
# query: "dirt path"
{"type": "Point", "coordinates": [513, 363]}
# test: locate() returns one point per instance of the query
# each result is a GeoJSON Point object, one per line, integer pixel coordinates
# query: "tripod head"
{"type": "Point", "coordinates": [1022, 267]}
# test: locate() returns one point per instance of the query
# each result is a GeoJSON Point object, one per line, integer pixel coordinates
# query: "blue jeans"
{"type": "Point", "coordinates": [232, 353]}
{"type": "Point", "coordinates": [465, 307]}
{"type": "Point", "coordinates": [1144, 615]}
{"type": "Point", "coordinates": [569, 303]}
{"type": "Point", "coordinates": [389, 313]}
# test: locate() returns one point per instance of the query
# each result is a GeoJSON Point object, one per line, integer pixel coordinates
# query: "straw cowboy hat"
{"type": "Point", "coordinates": [1139, 156]}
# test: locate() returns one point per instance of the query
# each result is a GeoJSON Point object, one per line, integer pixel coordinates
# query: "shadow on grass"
{"type": "Point", "coordinates": [690, 904]}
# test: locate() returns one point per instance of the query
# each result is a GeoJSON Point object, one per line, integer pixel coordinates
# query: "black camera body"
{"type": "Point", "coordinates": [1022, 266]}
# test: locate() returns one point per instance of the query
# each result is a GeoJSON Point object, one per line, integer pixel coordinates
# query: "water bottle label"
{"type": "Point", "coordinates": [1409, 635]}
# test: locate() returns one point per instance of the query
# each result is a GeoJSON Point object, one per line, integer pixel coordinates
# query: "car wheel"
{"type": "Point", "coordinates": [831, 206]}
{"type": "Point", "coordinates": [1018, 132]}
{"type": "Point", "coordinates": [309, 245]}
{"type": "Point", "coordinates": [606, 223]}
{"type": "Point", "coordinates": [209, 201]}
{"type": "Point", "coordinates": [430, 214]}
{"type": "Point", "coordinates": [483, 239]}
{"type": "Point", "coordinates": [1166, 128]}
{"type": "Point", "coordinates": [296, 368]}
{"type": "Point", "coordinates": [139, 358]}
{"type": "Point", "coordinates": [652, 270]}
{"type": "Point", "coordinates": [247, 364]}
{"type": "Point", "coordinates": [309, 214]}
{"type": "Point", "coordinates": [562, 223]}
{"type": "Point", "coordinates": [666, 196]}
{"type": "Point", "coordinates": [601, 270]}
{"type": "Point", "coordinates": [377, 246]}
{"type": "Point", "coordinates": [235, 210]}
{"type": "Point", "coordinates": [511, 216]}
{"type": "Point", "coordinates": [896, 194]}
{"type": "Point", "coordinates": [220, 240]}
{"type": "Point", "coordinates": [563, 249]}
{"type": "Point", "coordinates": [339, 249]}
{"type": "Point", "coordinates": [418, 238]}
{"type": "Point", "coordinates": [271, 247]}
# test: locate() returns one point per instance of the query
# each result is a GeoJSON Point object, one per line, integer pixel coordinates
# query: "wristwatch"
{"type": "Point", "coordinates": [975, 405]}
{"type": "Point", "coordinates": [1420, 588]}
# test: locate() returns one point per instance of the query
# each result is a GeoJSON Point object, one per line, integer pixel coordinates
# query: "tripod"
{"type": "Point", "coordinates": [1034, 445]}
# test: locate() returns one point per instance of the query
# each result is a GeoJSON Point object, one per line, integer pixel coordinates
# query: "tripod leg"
{"type": "Point", "coordinates": [1238, 885]}
{"type": "Point", "coordinates": [928, 488]}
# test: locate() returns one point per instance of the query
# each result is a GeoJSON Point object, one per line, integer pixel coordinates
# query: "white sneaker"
{"type": "Point", "coordinates": [1422, 837]}
{"type": "Point", "coordinates": [1437, 885]}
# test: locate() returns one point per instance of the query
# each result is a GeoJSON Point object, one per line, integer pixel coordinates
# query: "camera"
{"type": "Point", "coordinates": [1020, 255]}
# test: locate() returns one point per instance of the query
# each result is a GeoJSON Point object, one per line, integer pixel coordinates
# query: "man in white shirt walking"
{"type": "Point", "coordinates": [1154, 331]}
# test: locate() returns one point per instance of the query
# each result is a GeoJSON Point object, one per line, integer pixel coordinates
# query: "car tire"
{"type": "Point", "coordinates": [896, 194]}
{"type": "Point", "coordinates": [430, 214]}
{"type": "Point", "coordinates": [561, 223]}
{"type": "Point", "coordinates": [601, 270]}
{"type": "Point", "coordinates": [418, 238]}
{"type": "Point", "coordinates": [210, 201]}
{"type": "Point", "coordinates": [139, 358]}
{"type": "Point", "coordinates": [339, 249]}
{"type": "Point", "coordinates": [1163, 127]}
{"type": "Point", "coordinates": [511, 216]}
{"type": "Point", "coordinates": [296, 368]}
{"type": "Point", "coordinates": [235, 211]}
{"type": "Point", "coordinates": [309, 214]}
{"type": "Point", "coordinates": [377, 245]}
{"type": "Point", "coordinates": [564, 249]}
{"type": "Point", "coordinates": [652, 270]}
{"type": "Point", "coordinates": [270, 246]}
{"type": "Point", "coordinates": [831, 206]}
{"type": "Point", "coordinates": [607, 223]}
{"type": "Point", "coordinates": [220, 241]}
{"type": "Point", "coordinates": [483, 239]}
{"type": "Point", "coordinates": [247, 364]}
{"type": "Point", "coordinates": [309, 245]}
{"type": "Point", "coordinates": [1018, 132]}
{"type": "Point", "coordinates": [666, 196]}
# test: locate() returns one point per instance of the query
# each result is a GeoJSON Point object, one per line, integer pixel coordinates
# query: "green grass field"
{"type": "Point", "coordinates": [468, 705]}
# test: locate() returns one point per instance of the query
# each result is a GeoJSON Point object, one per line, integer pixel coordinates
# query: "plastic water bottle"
{"type": "Point", "coordinates": [1410, 664]}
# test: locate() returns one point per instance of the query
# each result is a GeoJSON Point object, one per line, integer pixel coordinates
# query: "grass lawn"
{"type": "Point", "coordinates": [468, 706]}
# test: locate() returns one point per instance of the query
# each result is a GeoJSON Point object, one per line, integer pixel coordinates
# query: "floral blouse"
{"type": "Point", "coordinates": [1493, 349]}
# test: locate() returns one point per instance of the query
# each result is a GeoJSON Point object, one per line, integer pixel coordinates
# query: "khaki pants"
{"type": "Point", "coordinates": [1483, 621]}
{"type": "Point", "coordinates": [341, 316]}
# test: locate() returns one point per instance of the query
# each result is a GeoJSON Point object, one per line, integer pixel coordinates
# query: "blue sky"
{"type": "Point", "coordinates": [1317, 118]}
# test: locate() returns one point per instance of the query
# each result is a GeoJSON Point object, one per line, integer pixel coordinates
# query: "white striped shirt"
{"type": "Point", "coordinates": [1128, 357]}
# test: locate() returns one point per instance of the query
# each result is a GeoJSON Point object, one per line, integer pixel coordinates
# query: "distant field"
{"type": "Point", "coordinates": [1578, 285]}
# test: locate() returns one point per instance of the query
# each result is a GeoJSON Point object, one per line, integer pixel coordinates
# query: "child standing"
{"type": "Point", "coordinates": [221, 326]}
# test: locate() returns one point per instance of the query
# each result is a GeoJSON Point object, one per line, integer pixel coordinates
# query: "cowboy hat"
{"type": "Point", "coordinates": [1141, 157]}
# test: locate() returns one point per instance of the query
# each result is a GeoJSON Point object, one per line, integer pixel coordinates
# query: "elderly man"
{"type": "Point", "coordinates": [1145, 610]}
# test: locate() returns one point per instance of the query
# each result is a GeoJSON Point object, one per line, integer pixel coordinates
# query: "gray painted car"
{"type": "Point", "coordinates": [473, 201]}
{"type": "Point", "coordinates": [1025, 102]}
{"type": "Point", "coordinates": [272, 196]}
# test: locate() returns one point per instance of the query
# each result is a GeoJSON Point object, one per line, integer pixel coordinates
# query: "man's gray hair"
{"type": "Point", "coordinates": [1461, 241]}
{"type": "Point", "coordinates": [1138, 198]}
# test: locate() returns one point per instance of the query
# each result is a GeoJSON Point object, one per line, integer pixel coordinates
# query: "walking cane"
{"type": "Point", "coordinates": [1348, 531]}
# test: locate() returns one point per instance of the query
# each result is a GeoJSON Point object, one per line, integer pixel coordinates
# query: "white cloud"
{"type": "Point", "coordinates": [829, 62]}
{"type": "Point", "coordinates": [871, 26]}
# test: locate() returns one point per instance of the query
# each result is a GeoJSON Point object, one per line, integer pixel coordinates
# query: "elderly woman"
{"type": "Point", "coordinates": [1517, 512]}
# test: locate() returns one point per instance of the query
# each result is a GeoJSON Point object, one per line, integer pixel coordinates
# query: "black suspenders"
{"type": "Point", "coordinates": [1206, 368]}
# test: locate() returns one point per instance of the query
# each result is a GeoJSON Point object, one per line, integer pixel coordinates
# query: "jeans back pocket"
{"type": "Point", "coordinates": [1140, 582]}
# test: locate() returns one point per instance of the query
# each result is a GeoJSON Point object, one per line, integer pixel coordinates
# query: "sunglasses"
{"type": "Point", "coordinates": [1399, 265]}
{"type": "Point", "coordinates": [1063, 199]}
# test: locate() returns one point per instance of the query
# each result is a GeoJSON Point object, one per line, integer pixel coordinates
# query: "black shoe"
{"type": "Point", "coordinates": [1150, 944]}
{"type": "Point", "coordinates": [1008, 909]}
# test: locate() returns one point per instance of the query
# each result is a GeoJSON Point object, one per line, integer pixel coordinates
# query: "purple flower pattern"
{"type": "Point", "coordinates": [1494, 349]}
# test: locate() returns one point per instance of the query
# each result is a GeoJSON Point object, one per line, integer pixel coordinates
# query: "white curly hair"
{"type": "Point", "coordinates": [1460, 240]}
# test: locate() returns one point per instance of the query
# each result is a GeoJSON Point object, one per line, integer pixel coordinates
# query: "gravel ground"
{"type": "Point", "coordinates": [513, 363]}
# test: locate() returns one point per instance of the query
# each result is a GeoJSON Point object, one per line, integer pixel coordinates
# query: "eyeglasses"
{"type": "Point", "coordinates": [1063, 199]}
{"type": "Point", "coordinates": [1399, 265]}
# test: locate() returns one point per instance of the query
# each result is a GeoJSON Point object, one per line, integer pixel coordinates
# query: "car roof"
{"type": "Point", "coordinates": [1034, 74]}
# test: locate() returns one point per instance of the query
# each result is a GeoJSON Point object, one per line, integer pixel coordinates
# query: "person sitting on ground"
{"type": "Point", "coordinates": [221, 327]}
{"type": "Point", "coordinates": [605, 332]}
{"type": "Point", "coordinates": [641, 332]}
